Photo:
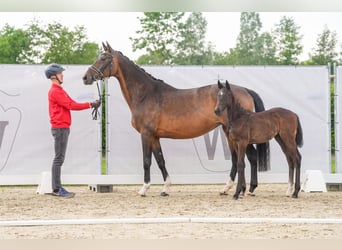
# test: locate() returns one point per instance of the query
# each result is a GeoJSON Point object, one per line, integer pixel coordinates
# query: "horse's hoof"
{"type": "Point", "coordinates": [250, 194]}
{"type": "Point", "coordinates": [223, 193]}
{"type": "Point", "coordinates": [164, 194]}
{"type": "Point", "coordinates": [295, 196]}
{"type": "Point", "coordinates": [141, 194]}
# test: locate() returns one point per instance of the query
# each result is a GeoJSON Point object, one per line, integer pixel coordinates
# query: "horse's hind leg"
{"type": "Point", "coordinates": [297, 162]}
{"type": "Point", "coordinates": [158, 155]}
{"type": "Point", "coordinates": [290, 161]}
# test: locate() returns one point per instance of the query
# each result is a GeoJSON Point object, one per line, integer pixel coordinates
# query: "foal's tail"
{"type": "Point", "coordinates": [299, 134]}
{"type": "Point", "coordinates": [263, 149]}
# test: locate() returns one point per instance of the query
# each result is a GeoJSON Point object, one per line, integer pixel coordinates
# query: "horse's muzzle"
{"type": "Point", "coordinates": [88, 79]}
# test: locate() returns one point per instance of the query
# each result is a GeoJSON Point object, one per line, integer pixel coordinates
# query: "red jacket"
{"type": "Point", "coordinates": [60, 105]}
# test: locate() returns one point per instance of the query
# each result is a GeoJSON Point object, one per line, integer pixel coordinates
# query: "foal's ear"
{"type": "Point", "coordinates": [220, 85]}
{"type": "Point", "coordinates": [227, 85]}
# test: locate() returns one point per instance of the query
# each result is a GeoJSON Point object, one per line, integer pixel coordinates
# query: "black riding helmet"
{"type": "Point", "coordinates": [53, 69]}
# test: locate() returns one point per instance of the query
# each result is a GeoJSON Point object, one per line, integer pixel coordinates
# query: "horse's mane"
{"type": "Point", "coordinates": [237, 107]}
{"type": "Point", "coordinates": [138, 67]}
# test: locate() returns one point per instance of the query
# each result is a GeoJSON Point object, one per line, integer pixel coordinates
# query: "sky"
{"type": "Point", "coordinates": [222, 28]}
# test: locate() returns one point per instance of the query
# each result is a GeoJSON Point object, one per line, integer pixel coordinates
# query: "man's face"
{"type": "Point", "coordinates": [60, 76]}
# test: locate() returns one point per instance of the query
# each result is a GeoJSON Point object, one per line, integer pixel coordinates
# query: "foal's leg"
{"type": "Point", "coordinates": [147, 154]}
{"type": "Point", "coordinates": [290, 163]}
{"type": "Point", "coordinates": [241, 185]}
{"type": "Point", "coordinates": [252, 158]}
{"type": "Point", "coordinates": [297, 162]}
{"type": "Point", "coordinates": [233, 171]}
{"type": "Point", "coordinates": [158, 155]}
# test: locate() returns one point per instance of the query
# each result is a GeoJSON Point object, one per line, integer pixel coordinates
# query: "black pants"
{"type": "Point", "coordinates": [61, 136]}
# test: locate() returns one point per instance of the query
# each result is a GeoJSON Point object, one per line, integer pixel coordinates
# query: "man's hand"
{"type": "Point", "coordinates": [95, 104]}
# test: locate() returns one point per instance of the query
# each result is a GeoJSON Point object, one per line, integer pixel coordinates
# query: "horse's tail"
{"type": "Point", "coordinates": [263, 149]}
{"type": "Point", "coordinates": [299, 134]}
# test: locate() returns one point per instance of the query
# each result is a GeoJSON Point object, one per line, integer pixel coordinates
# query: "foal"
{"type": "Point", "coordinates": [246, 127]}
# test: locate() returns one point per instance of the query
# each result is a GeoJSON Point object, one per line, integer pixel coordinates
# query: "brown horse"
{"type": "Point", "coordinates": [162, 111]}
{"type": "Point", "coordinates": [246, 127]}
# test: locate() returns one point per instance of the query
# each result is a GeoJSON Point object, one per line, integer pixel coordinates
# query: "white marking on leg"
{"type": "Point", "coordinates": [289, 189]}
{"type": "Point", "coordinates": [229, 185]}
{"type": "Point", "coordinates": [142, 191]}
{"type": "Point", "coordinates": [167, 184]}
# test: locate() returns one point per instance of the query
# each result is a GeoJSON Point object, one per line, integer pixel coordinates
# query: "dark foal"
{"type": "Point", "coordinates": [246, 127]}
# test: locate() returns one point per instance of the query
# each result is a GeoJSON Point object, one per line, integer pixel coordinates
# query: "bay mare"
{"type": "Point", "coordinates": [245, 127]}
{"type": "Point", "coordinates": [161, 111]}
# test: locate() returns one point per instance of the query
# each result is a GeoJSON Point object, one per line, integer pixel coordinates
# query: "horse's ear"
{"type": "Point", "coordinates": [227, 85]}
{"type": "Point", "coordinates": [220, 85]}
{"type": "Point", "coordinates": [110, 50]}
{"type": "Point", "coordinates": [104, 46]}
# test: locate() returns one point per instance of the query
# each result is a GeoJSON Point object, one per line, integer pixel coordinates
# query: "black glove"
{"type": "Point", "coordinates": [95, 104]}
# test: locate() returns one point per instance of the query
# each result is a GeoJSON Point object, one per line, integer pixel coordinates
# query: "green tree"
{"type": "Point", "coordinates": [37, 44]}
{"type": "Point", "coordinates": [159, 33]}
{"type": "Point", "coordinates": [191, 49]}
{"type": "Point", "coordinates": [226, 58]}
{"type": "Point", "coordinates": [265, 50]}
{"type": "Point", "coordinates": [68, 47]}
{"type": "Point", "coordinates": [325, 52]}
{"type": "Point", "coordinates": [247, 41]}
{"type": "Point", "coordinates": [12, 43]}
{"type": "Point", "coordinates": [40, 44]}
{"type": "Point", "coordinates": [288, 41]}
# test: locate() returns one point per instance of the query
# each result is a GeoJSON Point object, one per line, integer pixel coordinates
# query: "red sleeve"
{"type": "Point", "coordinates": [63, 99]}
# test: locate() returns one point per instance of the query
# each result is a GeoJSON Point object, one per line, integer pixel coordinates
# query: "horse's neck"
{"type": "Point", "coordinates": [133, 82]}
{"type": "Point", "coordinates": [236, 111]}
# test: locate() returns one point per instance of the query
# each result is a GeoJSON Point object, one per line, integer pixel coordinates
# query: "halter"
{"type": "Point", "coordinates": [99, 76]}
{"type": "Point", "coordinates": [99, 72]}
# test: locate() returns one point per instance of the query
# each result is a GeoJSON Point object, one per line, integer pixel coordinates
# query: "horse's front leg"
{"type": "Point", "coordinates": [147, 154]}
{"type": "Point", "coordinates": [241, 185]}
{"type": "Point", "coordinates": [158, 155]}
{"type": "Point", "coordinates": [232, 175]}
{"type": "Point", "coordinates": [252, 158]}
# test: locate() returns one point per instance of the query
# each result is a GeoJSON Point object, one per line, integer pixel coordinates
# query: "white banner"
{"type": "Point", "coordinates": [338, 121]}
{"type": "Point", "coordinates": [26, 143]}
{"type": "Point", "coordinates": [304, 90]}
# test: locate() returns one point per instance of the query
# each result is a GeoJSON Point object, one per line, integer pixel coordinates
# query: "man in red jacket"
{"type": "Point", "coordinates": [60, 105]}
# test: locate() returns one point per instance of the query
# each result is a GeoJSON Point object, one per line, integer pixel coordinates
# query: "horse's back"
{"type": "Point", "coordinates": [188, 113]}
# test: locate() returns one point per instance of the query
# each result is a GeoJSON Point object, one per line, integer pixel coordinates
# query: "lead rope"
{"type": "Point", "coordinates": [95, 113]}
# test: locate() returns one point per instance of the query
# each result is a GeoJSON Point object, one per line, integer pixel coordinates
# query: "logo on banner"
{"type": "Point", "coordinates": [212, 151]}
{"type": "Point", "coordinates": [211, 145]}
{"type": "Point", "coordinates": [10, 119]}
